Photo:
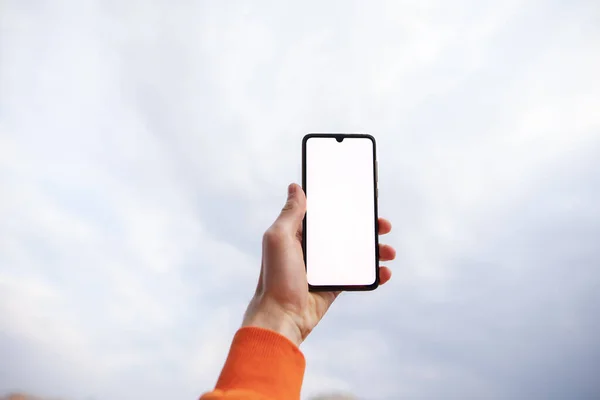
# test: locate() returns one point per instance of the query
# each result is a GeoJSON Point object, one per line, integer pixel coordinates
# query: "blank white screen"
{"type": "Point", "coordinates": [340, 224]}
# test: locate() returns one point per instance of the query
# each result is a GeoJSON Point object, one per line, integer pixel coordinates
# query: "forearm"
{"type": "Point", "coordinates": [261, 364]}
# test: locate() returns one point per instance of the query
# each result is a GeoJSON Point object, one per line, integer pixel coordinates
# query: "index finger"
{"type": "Point", "coordinates": [384, 225]}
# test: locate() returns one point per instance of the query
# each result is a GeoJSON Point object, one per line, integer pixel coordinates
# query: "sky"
{"type": "Point", "coordinates": [145, 146]}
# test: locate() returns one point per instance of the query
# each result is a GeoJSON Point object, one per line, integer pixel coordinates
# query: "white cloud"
{"type": "Point", "coordinates": [144, 147]}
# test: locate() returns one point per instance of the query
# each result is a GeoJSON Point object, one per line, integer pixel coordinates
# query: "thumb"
{"type": "Point", "coordinates": [295, 207]}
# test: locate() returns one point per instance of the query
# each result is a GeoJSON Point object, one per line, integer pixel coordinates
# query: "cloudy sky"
{"type": "Point", "coordinates": [146, 145]}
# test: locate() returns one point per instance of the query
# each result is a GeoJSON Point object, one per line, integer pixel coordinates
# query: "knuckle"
{"type": "Point", "coordinates": [289, 205]}
{"type": "Point", "coordinates": [274, 235]}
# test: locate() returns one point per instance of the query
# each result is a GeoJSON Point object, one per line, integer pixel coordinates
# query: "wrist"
{"type": "Point", "coordinates": [263, 314]}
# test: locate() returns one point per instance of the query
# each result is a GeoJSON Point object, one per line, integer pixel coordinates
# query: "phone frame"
{"type": "Point", "coordinates": [343, 136]}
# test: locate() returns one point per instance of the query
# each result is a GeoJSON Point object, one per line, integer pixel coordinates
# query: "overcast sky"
{"type": "Point", "coordinates": [146, 145]}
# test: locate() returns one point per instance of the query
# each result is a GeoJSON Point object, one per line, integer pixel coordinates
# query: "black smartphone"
{"type": "Point", "coordinates": [339, 237]}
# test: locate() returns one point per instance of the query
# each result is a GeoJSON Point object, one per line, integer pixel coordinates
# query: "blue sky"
{"type": "Point", "coordinates": [145, 147]}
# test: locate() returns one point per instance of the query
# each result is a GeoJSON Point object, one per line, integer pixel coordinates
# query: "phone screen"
{"type": "Point", "coordinates": [340, 226]}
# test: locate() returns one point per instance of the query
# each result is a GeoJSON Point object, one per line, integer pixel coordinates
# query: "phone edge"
{"type": "Point", "coordinates": [345, 288]}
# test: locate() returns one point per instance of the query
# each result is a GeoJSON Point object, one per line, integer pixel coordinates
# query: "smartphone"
{"type": "Point", "coordinates": [339, 236]}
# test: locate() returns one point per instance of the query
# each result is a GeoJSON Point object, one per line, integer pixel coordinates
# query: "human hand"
{"type": "Point", "coordinates": [282, 302]}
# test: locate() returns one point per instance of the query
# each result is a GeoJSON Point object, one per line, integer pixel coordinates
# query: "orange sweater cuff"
{"type": "Point", "coordinates": [264, 362]}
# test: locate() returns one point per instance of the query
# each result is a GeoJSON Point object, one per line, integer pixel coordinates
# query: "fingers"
{"type": "Point", "coordinates": [386, 252]}
{"type": "Point", "coordinates": [290, 218]}
{"type": "Point", "coordinates": [385, 226]}
{"type": "Point", "coordinates": [385, 274]}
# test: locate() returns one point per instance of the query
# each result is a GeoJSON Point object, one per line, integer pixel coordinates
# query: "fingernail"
{"type": "Point", "coordinates": [291, 190]}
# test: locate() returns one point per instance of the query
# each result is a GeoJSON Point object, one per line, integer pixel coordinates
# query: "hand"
{"type": "Point", "coordinates": [282, 301]}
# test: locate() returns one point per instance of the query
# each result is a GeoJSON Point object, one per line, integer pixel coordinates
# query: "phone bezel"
{"type": "Point", "coordinates": [336, 288]}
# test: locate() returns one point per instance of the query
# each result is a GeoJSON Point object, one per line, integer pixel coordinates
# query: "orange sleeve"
{"type": "Point", "coordinates": [261, 365]}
